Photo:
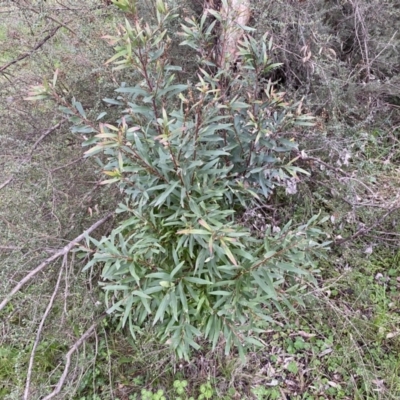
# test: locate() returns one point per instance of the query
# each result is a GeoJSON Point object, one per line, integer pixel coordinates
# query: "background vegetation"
{"type": "Point", "coordinates": [341, 58]}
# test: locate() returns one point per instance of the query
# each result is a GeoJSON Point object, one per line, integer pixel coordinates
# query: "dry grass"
{"type": "Point", "coordinates": [49, 194]}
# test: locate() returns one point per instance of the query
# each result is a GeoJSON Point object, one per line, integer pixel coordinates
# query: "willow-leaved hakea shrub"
{"type": "Point", "coordinates": [191, 155]}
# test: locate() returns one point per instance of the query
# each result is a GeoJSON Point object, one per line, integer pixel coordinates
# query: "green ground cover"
{"type": "Point", "coordinates": [345, 342]}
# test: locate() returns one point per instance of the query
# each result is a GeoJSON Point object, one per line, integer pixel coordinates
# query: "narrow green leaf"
{"type": "Point", "coordinates": [269, 254]}
{"type": "Point", "coordinates": [177, 269]}
{"type": "Point", "coordinates": [140, 294]}
{"type": "Point", "coordinates": [182, 296]}
{"type": "Point", "coordinates": [193, 232]}
{"type": "Point", "coordinates": [79, 107]}
{"type": "Point", "coordinates": [128, 310]}
{"type": "Point", "coordinates": [217, 330]}
{"type": "Point", "coordinates": [146, 305]}
{"type": "Point", "coordinates": [117, 55]}
{"type": "Point", "coordinates": [209, 326]}
{"type": "Point", "coordinates": [101, 115]}
{"type": "Point", "coordinates": [174, 306]}
{"type": "Point", "coordinates": [220, 293]}
{"type": "Point", "coordinates": [66, 110]}
{"type": "Point", "coordinates": [199, 305]}
{"type": "Point", "coordinates": [228, 343]}
{"type": "Point", "coordinates": [117, 306]}
{"type": "Point", "coordinates": [113, 101]}
{"type": "Point", "coordinates": [161, 199]}
{"type": "Point", "coordinates": [259, 280]}
{"type": "Point", "coordinates": [229, 253]}
{"type": "Point", "coordinates": [82, 129]}
{"type": "Point", "coordinates": [153, 289]}
{"type": "Point", "coordinates": [116, 287]}
{"type": "Point", "coordinates": [94, 150]}
{"type": "Point", "coordinates": [161, 309]}
{"type": "Point", "coordinates": [172, 90]}
{"type": "Point", "coordinates": [161, 275]}
{"type": "Point", "coordinates": [198, 281]}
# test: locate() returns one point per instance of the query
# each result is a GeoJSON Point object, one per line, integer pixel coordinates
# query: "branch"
{"type": "Point", "coordinates": [37, 46]}
{"type": "Point", "coordinates": [319, 161]}
{"type": "Point", "coordinates": [74, 348]}
{"type": "Point", "coordinates": [50, 130]}
{"type": "Point", "coordinates": [61, 23]}
{"type": "Point", "coordinates": [59, 253]}
{"type": "Point", "coordinates": [4, 184]}
{"type": "Point", "coordinates": [10, 248]}
{"type": "Point", "coordinates": [39, 331]}
{"type": "Point", "coordinates": [67, 165]}
{"type": "Point", "coordinates": [364, 230]}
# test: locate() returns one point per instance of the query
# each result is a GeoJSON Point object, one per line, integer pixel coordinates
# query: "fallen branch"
{"type": "Point", "coordinates": [37, 46]}
{"type": "Point", "coordinates": [4, 184]}
{"type": "Point", "coordinates": [50, 130]}
{"type": "Point", "coordinates": [39, 331]}
{"type": "Point", "coordinates": [74, 348]}
{"type": "Point", "coordinates": [326, 165]}
{"type": "Point", "coordinates": [364, 230]}
{"type": "Point", "coordinates": [58, 254]}
{"type": "Point", "coordinates": [9, 248]}
{"type": "Point", "coordinates": [67, 165]}
{"type": "Point", "coordinates": [61, 23]}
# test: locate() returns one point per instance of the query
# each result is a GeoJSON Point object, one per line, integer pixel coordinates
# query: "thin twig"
{"type": "Point", "coordinates": [4, 184]}
{"type": "Point", "coordinates": [74, 348]}
{"type": "Point", "coordinates": [58, 254]}
{"type": "Point", "coordinates": [39, 331]}
{"type": "Point", "coordinates": [364, 230]}
{"type": "Point", "coordinates": [10, 248]}
{"type": "Point", "coordinates": [61, 23]}
{"type": "Point", "coordinates": [384, 239]}
{"type": "Point", "coordinates": [40, 11]}
{"type": "Point", "coordinates": [46, 133]}
{"type": "Point", "coordinates": [67, 165]}
{"type": "Point", "coordinates": [319, 161]}
{"type": "Point", "coordinates": [98, 7]}
{"type": "Point", "coordinates": [36, 47]}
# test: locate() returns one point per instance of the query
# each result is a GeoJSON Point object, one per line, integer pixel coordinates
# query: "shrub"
{"type": "Point", "coordinates": [191, 160]}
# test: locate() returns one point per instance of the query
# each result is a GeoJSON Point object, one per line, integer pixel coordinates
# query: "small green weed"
{"type": "Point", "coordinates": [264, 393]}
{"type": "Point", "coordinates": [15, 359]}
{"type": "Point", "coordinates": [179, 391]}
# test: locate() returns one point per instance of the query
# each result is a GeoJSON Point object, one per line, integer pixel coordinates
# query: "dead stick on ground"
{"type": "Point", "coordinates": [39, 331]}
{"type": "Point", "coordinates": [58, 254]}
{"type": "Point", "coordinates": [50, 130]}
{"type": "Point", "coordinates": [28, 53]}
{"type": "Point", "coordinates": [67, 165]}
{"type": "Point", "coordinates": [319, 161]}
{"type": "Point", "coordinates": [364, 230]}
{"type": "Point", "coordinates": [6, 182]}
{"type": "Point", "coordinates": [74, 348]}
{"type": "Point", "coordinates": [8, 248]}
{"type": "Point", "coordinates": [61, 23]}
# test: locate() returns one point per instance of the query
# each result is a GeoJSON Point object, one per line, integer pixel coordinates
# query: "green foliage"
{"type": "Point", "coordinates": [262, 392]}
{"type": "Point", "coordinates": [362, 327]}
{"type": "Point", "coordinates": [180, 386]}
{"type": "Point", "coordinates": [205, 391]}
{"type": "Point", "coordinates": [148, 395]}
{"type": "Point", "coordinates": [190, 159]}
{"type": "Point", "coordinates": [14, 359]}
